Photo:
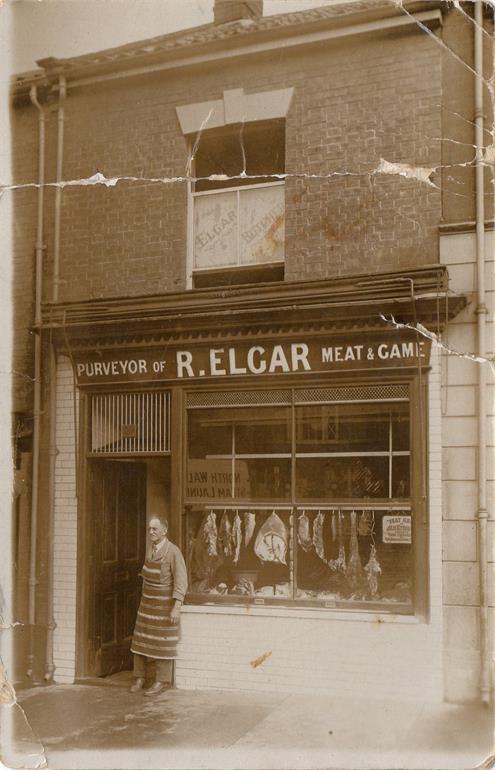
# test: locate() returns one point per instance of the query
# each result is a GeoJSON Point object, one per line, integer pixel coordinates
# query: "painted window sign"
{"type": "Point", "coordinates": [339, 353]}
{"type": "Point", "coordinates": [244, 226]}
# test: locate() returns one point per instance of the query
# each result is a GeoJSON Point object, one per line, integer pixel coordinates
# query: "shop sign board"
{"type": "Point", "coordinates": [252, 358]}
{"type": "Point", "coordinates": [396, 529]}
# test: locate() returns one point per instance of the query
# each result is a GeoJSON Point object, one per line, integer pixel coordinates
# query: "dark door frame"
{"type": "Point", "coordinates": [85, 653]}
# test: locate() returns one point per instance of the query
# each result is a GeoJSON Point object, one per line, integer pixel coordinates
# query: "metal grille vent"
{"type": "Point", "coordinates": [130, 423]}
{"type": "Point", "coordinates": [240, 398]}
{"type": "Point", "coordinates": [396, 392]}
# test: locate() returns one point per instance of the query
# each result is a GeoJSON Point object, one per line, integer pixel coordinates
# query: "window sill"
{"type": "Point", "coordinates": [315, 613]}
{"type": "Point", "coordinates": [238, 275]}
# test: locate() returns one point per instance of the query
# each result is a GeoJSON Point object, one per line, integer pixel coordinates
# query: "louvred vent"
{"type": "Point", "coordinates": [130, 423]}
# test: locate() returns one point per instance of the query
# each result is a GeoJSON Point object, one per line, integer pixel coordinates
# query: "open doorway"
{"type": "Point", "coordinates": [124, 495]}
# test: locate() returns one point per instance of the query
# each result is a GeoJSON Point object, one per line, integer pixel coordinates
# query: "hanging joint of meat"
{"type": "Point", "coordinates": [318, 535]}
{"type": "Point", "coordinates": [272, 540]}
{"type": "Point", "coordinates": [249, 526]}
{"type": "Point", "coordinates": [237, 536]}
{"type": "Point", "coordinates": [372, 570]}
{"type": "Point", "coordinates": [211, 534]}
{"type": "Point", "coordinates": [303, 534]}
{"type": "Point", "coordinates": [225, 538]}
{"type": "Point", "coordinates": [354, 569]}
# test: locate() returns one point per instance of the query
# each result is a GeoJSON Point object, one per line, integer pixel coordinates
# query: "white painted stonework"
{"type": "Point", "coordinates": [459, 449]}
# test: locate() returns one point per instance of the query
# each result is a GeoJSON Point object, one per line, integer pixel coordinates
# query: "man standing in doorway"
{"type": "Point", "coordinates": [157, 629]}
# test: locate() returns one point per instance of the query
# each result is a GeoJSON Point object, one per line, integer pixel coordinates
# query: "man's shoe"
{"type": "Point", "coordinates": [138, 685]}
{"type": "Point", "coordinates": [156, 688]}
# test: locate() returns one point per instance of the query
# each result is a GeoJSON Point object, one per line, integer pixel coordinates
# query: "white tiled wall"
{"type": "Point", "coordinates": [65, 532]}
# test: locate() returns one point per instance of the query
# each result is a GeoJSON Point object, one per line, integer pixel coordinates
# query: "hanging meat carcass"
{"type": "Point", "coordinates": [334, 526]}
{"type": "Point", "coordinates": [372, 570]}
{"type": "Point", "coordinates": [354, 569]}
{"type": "Point", "coordinates": [318, 535]}
{"type": "Point", "coordinates": [225, 537]}
{"type": "Point", "coordinates": [365, 524]}
{"type": "Point", "coordinates": [204, 556]}
{"type": "Point", "coordinates": [272, 540]}
{"type": "Point", "coordinates": [249, 526]}
{"type": "Point", "coordinates": [236, 537]}
{"type": "Point", "coordinates": [339, 564]}
{"type": "Point", "coordinates": [210, 533]}
{"type": "Point", "coordinates": [303, 534]}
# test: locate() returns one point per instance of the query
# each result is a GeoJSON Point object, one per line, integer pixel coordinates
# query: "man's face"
{"type": "Point", "coordinates": [156, 531]}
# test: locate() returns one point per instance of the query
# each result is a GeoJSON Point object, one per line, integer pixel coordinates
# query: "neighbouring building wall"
{"type": "Point", "coordinates": [65, 529]}
{"type": "Point", "coordinates": [459, 439]}
{"type": "Point", "coordinates": [458, 171]}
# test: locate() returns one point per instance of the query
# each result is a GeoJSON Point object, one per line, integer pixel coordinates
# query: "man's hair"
{"type": "Point", "coordinates": [163, 521]}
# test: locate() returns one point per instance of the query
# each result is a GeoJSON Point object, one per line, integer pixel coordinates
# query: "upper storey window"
{"type": "Point", "coordinates": [237, 217]}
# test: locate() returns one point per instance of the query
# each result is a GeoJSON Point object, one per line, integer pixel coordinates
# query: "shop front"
{"type": "Point", "coordinates": [293, 461]}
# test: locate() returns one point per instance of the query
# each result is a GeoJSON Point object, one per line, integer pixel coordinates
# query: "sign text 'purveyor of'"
{"type": "Point", "coordinates": [242, 359]}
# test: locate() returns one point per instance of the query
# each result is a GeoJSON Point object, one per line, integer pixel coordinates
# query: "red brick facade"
{"type": "Point", "coordinates": [352, 105]}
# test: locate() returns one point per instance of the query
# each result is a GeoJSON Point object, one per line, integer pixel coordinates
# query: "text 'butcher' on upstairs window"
{"type": "Point", "coordinates": [236, 222]}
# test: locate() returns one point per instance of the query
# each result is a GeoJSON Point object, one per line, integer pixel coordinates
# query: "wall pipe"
{"type": "Point", "coordinates": [481, 313]}
{"type": "Point", "coordinates": [52, 450]}
{"type": "Point", "coordinates": [39, 246]}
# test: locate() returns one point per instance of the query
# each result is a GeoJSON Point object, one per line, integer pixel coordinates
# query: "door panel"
{"type": "Point", "coordinates": [119, 546]}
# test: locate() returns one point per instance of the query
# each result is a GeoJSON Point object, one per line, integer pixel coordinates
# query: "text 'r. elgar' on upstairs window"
{"type": "Point", "coordinates": [237, 193]}
{"type": "Point", "coordinates": [239, 206]}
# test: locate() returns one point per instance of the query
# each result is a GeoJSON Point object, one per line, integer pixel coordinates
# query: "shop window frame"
{"type": "Point", "coordinates": [416, 503]}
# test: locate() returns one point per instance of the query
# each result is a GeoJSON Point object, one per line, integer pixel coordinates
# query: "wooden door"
{"type": "Point", "coordinates": [119, 547]}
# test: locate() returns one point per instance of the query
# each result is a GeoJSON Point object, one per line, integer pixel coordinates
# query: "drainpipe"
{"type": "Point", "coordinates": [481, 313]}
{"type": "Point", "coordinates": [52, 450]}
{"type": "Point", "coordinates": [37, 381]}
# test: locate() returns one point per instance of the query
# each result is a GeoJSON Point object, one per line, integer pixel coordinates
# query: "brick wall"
{"type": "Point", "coordinates": [65, 532]}
{"type": "Point", "coordinates": [459, 436]}
{"type": "Point", "coordinates": [354, 103]}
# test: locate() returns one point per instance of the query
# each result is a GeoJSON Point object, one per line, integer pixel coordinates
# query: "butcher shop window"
{"type": "Point", "coordinates": [309, 499]}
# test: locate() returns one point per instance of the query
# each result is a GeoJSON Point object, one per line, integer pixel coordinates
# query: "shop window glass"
{"type": "Point", "coordinates": [243, 454]}
{"type": "Point", "coordinates": [354, 556]}
{"type": "Point", "coordinates": [344, 478]}
{"type": "Point", "coordinates": [242, 553]}
{"type": "Point", "coordinates": [264, 432]}
{"type": "Point", "coordinates": [265, 479]}
{"type": "Point", "coordinates": [316, 508]}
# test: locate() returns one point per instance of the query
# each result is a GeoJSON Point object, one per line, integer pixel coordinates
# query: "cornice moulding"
{"type": "Point", "coordinates": [211, 43]}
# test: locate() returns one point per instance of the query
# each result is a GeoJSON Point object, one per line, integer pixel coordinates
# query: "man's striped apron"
{"type": "Point", "coordinates": [154, 635]}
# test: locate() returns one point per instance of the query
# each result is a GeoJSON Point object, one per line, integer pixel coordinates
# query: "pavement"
{"type": "Point", "coordinates": [100, 724]}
